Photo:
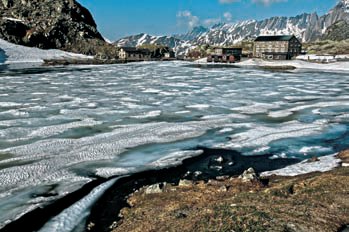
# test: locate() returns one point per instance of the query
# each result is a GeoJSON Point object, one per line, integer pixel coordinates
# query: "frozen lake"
{"type": "Point", "coordinates": [61, 127]}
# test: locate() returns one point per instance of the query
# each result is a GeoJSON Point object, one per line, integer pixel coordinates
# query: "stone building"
{"type": "Point", "coordinates": [279, 47]}
{"type": "Point", "coordinates": [134, 54]}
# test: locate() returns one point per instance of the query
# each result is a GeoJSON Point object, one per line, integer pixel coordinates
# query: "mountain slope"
{"type": "Point", "coordinates": [337, 32]}
{"type": "Point", "coordinates": [59, 24]}
{"type": "Point", "coordinates": [194, 33]}
{"type": "Point", "coordinates": [16, 54]}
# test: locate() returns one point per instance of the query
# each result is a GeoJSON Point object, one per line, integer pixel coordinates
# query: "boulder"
{"type": "Point", "coordinates": [222, 178]}
{"type": "Point", "coordinates": [185, 183]}
{"type": "Point", "coordinates": [155, 188]}
{"type": "Point", "coordinates": [344, 156]}
{"type": "Point", "coordinates": [223, 188]}
{"type": "Point", "coordinates": [313, 159]}
{"type": "Point", "coordinates": [249, 175]}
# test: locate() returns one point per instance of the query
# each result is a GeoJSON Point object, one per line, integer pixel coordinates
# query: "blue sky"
{"type": "Point", "coordinates": [118, 18]}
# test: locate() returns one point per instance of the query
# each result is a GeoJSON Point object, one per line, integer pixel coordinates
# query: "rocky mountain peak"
{"type": "Point", "coordinates": [346, 6]}
{"type": "Point", "coordinates": [194, 33]}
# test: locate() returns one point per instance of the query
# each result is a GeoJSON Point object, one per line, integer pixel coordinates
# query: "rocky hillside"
{"type": "Point", "coordinates": [337, 32]}
{"type": "Point", "coordinates": [308, 27]}
{"type": "Point", "coordinates": [59, 24]}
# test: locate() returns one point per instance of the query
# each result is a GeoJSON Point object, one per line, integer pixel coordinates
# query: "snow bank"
{"type": "Point", "coordinates": [299, 64]}
{"type": "Point", "coordinates": [71, 217]}
{"type": "Point", "coordinates": [337, 66]}
{"type": "Point", "coordinates": [317, 58]}
{"type": "Point", "coordinates": [12, 53]}
{"type": "Point", "coordinates": [325, 163]}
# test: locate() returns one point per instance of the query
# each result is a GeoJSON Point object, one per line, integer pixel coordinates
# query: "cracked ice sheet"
{"type": "Point", "coordinates": [52, 161]}
{"type": "Point", "coordinates": [258, 135]}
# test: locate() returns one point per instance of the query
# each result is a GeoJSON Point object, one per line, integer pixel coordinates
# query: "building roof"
{"type": "Point", "coordinates": [129, 49]}
{"type": "Point", "coordinates": [135, 50]}
{"type": "Point", "coordinates": [226, 48]}
{"type": "Point", "coordinates": [143, 51]}
{"type": "Point", "coordinates": [274, 38]}
{"type": "Point", "coordinates": [276, 53]}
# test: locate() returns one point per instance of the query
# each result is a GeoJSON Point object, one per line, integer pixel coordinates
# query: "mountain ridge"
{"type": "Point", "coordinates": [306, 26]}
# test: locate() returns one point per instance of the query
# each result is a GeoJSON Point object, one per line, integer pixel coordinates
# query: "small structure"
{"type": "Point", "coordinates": [225, 55]}
{"type": "Point", "coordinates": [278, 47]}
{"type": "Point", "coordinates": [169, 54]}
{"type": "Point", "coordinates": [194, 55]}
{"type": "Point", "coordinates": [134, 54]}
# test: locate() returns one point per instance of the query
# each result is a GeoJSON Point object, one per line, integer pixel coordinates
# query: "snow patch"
{"type": "Point", "coordinates": [21, 54]}
{"type": "Point", "coordinates": [325, 163]}
{"type": "Point", "coordinates": [70, 218]}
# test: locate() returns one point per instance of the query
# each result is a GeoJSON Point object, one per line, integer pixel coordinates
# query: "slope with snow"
{"type": "Point", "coordinates": [12, 53]}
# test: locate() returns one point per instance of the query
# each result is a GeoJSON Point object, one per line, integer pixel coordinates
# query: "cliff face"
{"type": "Point", "coordinates": [59, 24]}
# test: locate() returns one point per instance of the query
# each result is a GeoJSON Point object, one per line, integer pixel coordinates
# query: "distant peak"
{"type": "Point", "coordinates": [199, 28]}
{"type": "Point", "coordinates": [345, 5]}
{"type": "Point", "coordinates": [217, 25]}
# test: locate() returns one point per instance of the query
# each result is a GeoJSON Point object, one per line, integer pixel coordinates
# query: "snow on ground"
{"type": "Point", "coordinates": [317, 58]}
{"type": "Point", "coordinates": [325, 163]}
{"type": "Point", "coordinates": [12, 53]}
{"type": "Point", "coordinates": [299, 64]}
{"type": "Point", "coordinates": [338, 66]}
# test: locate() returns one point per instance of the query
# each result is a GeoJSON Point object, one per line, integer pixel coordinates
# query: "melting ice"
{"type": "Point", "coordinates": [60, 127]}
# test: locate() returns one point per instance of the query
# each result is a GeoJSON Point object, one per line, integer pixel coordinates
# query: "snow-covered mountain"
{"type": "Point", "coordinates": [306, 26]}
{"type": "Point", "coordinates": [193, 34]}
{"type": "Point", "coordinates": [178, 45]}
{"type": "Point", "coordinates": [346, 3]}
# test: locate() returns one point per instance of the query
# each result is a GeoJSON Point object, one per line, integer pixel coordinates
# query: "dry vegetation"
{"type": "Point", "coordinates": [314, 202]}
{"type": "Point", "coordinates": [328, 47]}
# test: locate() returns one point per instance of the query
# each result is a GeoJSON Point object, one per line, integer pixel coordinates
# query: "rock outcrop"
{"type": "Point", "coordinates": [249, 175]}
{"type": "Point", "coordinates": [47, 24]}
